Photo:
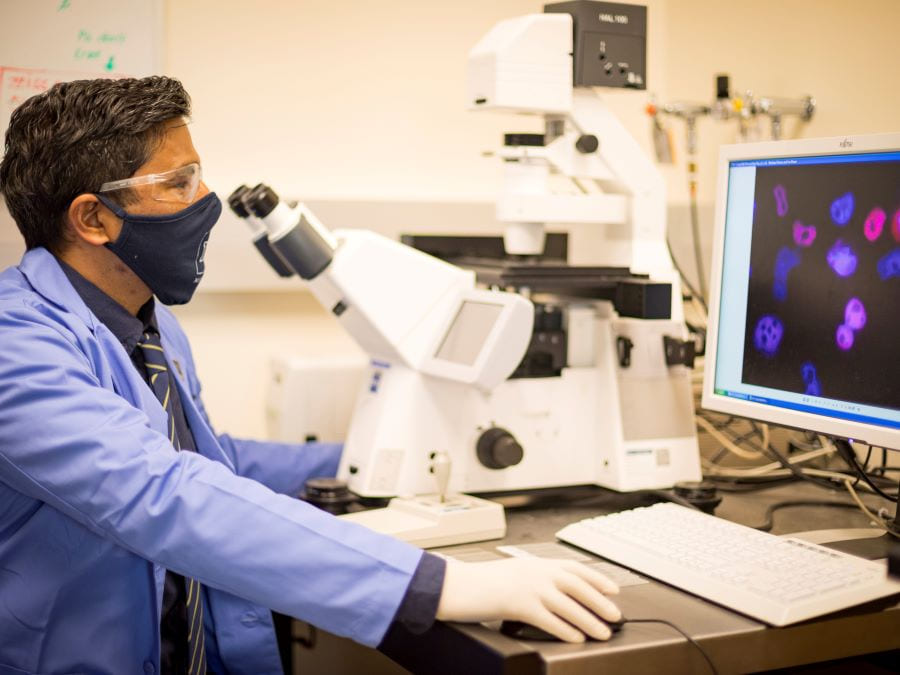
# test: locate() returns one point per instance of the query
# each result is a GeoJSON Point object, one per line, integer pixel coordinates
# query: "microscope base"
{"type": "Point", "coordinates": [427, 522]}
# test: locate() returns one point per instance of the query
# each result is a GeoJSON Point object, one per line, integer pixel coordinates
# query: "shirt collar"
{"type": "Point", "coordinates": [127, 328]}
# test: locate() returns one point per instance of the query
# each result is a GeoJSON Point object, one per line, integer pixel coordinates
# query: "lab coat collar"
{"type": "Point", "coordinates": [43, 272]}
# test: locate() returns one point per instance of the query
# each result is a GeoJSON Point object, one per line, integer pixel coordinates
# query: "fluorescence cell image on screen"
{"type": "Point", "coordinates": [823, 308]}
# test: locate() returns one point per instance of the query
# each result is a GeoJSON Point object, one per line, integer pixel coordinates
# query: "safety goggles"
{"type": "Point", "coordinates": [178, 185]}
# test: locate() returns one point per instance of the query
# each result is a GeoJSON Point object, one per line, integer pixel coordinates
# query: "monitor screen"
{"type": "Point", "coordinates": [805, 309]}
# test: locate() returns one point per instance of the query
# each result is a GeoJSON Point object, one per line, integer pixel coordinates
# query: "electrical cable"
{"type": "Point", "coordinates": [726, 484]}
{"type": "Point", "coordinates": [686, 281]}
{"type": "Point", "coordinates": [876, 519]}
{"type": "Point", "coordinates": [769, 521]}
{"type": "Point", "coordinates": [809, 475]}
{"type": "Point", "coordinates": [848, 455]}
{"type": "Point", "coordinates": [764, 469]}
{"type": "Point", "coordinates": [687, 637]}
{"type": "Point", "coordinates": [726, 442]}
{"type": "Point", "coordinates": [695, 228]}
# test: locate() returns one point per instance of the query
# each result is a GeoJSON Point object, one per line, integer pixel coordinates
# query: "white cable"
{"type": "Point", "coordinates": [875, 519]}
{"type": "Point", "coordinates": [726, 442]}
{"type": "Point", "coordinates": [773, 468]}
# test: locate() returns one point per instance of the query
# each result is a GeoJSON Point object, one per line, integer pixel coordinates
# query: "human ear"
{"type": "Point", "coordinates": [90, 221]}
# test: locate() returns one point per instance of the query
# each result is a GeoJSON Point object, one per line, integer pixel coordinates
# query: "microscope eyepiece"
{"type": "Point", "coordinates": [235, 201]}
{"type": "Point", "coordinates": [261, 200]}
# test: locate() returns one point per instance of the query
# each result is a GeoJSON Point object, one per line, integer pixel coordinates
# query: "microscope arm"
{"type": "Point", "coordinates": [400, 305]}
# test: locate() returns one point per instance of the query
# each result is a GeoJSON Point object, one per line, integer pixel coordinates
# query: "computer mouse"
{"type": "Point", "coordinates": [525, 631]}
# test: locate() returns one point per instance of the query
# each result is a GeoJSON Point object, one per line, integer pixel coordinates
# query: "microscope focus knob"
{"type": "Point", "coordinates": [497, 449]}
{"type": "Point", "coordinates": [587, 143]}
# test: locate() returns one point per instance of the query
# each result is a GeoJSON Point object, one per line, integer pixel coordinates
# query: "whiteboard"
{"type": "Point", "coordinates": [47, 41]}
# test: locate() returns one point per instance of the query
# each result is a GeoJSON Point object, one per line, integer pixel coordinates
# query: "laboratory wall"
{"type": "Point", "coordinates": [838, 52]}
{"type": "Point", "coordinates": [359, 109]}
{"type": "Point", "coordinates": [362, 104]}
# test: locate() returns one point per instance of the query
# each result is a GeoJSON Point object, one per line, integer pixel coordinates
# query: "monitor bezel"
{"type": "Point", "coordinates": [871, 434]}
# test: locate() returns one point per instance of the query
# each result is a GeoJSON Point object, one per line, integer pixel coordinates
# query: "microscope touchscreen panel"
{"type": "Point", "coordinates": [468, 332]}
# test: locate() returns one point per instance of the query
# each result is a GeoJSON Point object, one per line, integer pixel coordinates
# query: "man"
{"type": "Point", "coordinates": [132, 537]}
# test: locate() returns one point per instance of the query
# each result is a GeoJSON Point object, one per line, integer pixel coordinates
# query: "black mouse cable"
{"type": "Point", "coordinates": [687, 637]}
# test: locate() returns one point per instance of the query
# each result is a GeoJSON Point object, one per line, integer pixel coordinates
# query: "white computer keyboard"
{"type": "Point", "coordinates": [778, 580]}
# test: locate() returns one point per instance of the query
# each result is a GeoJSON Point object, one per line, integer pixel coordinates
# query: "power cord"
{"type": "Point", "coordinates": [687, 637]}
{"type": "Point", "coordinates": [770, 512]}
{"type": "Point", "coordinates": [693, 291]}
{"type": "Point", "coordinates": [848, 455]}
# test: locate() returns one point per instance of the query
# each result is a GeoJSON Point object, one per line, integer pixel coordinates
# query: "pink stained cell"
{"type": "Point", "coordinates": [874, 224]}
{"type": "Point", "coordinates": [844, 337]}
{"type": "Point", "coordinates": [895, 225]}
{"type": "Point", "coordinates": [781, 202]}
{"type": "Point", "coordinates": [804, 235]}
{"type": "Point", "coordinates": [855, 314]}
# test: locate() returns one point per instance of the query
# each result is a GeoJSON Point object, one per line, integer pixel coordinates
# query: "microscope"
{"type": "Point", "coordinates": [437, 344]}
{"type": "Point", "coordinates": [603, 394]}
{"type": "Point", "coordinates": [570, 375]}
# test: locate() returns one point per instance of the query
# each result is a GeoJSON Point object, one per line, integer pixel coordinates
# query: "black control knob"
{"type": "Point", "coordinates": [702, 494]}
{"type": "Point", "coordinates": [587, 143]}
{"type": "Point", "coordinates": [328, 494]}
{"type": "Point", "coordinates": [498, 449]}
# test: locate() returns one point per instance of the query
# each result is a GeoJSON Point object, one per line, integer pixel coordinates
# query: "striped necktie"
{"type": "Point", "coordinates": [160, 383]}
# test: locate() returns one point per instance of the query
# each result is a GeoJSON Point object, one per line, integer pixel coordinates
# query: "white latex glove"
{"type": "Point", "coordinates": [562, 597]}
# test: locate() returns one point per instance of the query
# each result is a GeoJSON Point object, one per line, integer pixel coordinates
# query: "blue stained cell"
{"type": "Point", "coordinates": [768, 334]}
{"type": "Point", "coordinates": [786, 260]}
{"type": "Point", "coordinates": [889, 265]}
{"type": "Point", "coordinates": [842, 259]}
{"type": "Point", "coordinates": [813, 388]}
{"type": "Point", "coordinates": [842, 209]}
{"type": "Point", "coordinates": [809, 372]}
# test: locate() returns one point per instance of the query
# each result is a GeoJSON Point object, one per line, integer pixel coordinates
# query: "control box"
{"type": "Point", "coordinates": [609, 43]}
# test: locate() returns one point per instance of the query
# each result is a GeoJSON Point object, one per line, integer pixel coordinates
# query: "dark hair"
{"type": "Point", "coordinates": [76, 136]}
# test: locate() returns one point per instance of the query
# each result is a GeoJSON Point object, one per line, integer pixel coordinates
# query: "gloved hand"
{"type": "Point", "coordinates": [558, 596]}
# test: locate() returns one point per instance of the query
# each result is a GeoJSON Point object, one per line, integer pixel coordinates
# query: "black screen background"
{"type": "Point", "coordinates": [869, 373]}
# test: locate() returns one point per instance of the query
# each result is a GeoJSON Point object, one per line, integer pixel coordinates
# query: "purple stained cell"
{"type": "Point", "coordinates": [781, 201]}
{"type": "Point", "coordinates": [786, 260]}
{"type": "Point", "coordinates": [768, 334]}
{"type": "Point", "coordinates": [855, 314]}
{"type": "Point", "coordinates": [804, 235]}
{"type": "Point", "coordinates": [844, 337]}
{"type": "Point", "coordinates": [895, 225]}
{"type": "Point", "coordinates": [842, 209]}
{"type": "Point", "coordinates": [813, 388]}
{"type": "Point", "coordinates": [874, 224]}
{"type": "Point", "coordinates": [889, 265]}
{"type": "Point", "coordinates": [842, 259]}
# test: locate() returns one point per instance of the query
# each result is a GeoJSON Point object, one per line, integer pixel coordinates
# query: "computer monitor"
{"type": "Point", "coordinates": [804, 313]}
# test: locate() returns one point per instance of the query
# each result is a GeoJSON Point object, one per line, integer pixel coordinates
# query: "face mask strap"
{"type": "Point", "coordinates": [111, 205]}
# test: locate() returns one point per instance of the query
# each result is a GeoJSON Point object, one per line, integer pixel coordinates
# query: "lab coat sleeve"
{"type": "Point", "coordinates": [84, 450]}
{"type": "Point", "coordinates": [282, 467]}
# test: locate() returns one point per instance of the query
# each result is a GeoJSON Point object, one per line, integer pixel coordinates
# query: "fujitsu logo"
{"type": "Point", "coordinates": [846, 143]}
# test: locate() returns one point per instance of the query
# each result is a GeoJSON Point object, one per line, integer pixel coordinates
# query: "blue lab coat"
{"type": "Point", "coordinates": [95, 505]}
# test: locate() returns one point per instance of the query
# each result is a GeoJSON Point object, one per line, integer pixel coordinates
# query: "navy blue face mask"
{"type": "Point", "coordinates": [167, 251]}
